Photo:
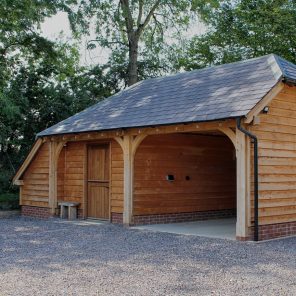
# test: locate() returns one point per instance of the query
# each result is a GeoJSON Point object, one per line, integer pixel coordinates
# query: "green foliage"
{"type": "Point", "coordinates": [243, 29]}
{"type": "Point", "coordinates": [19, 30]}
{"type": "Point", "coordinates": [7, 197]}
{"type": "Point", "coordinates": [41, 93]}
{"type": "Point", "coordinates": [9, 201]}
{"type": "Point", "coordinates": [41, 82]}
{"type": "Point", "coordinates": [147, 29]}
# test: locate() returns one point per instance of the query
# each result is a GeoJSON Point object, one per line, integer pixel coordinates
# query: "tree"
{"type": "Point", "coordinates": [19, 27]}
{"type": "Point", "coordinates": [138, 31]}
{"type": "Point", "coordinates": [41, 93]}
{"type": "Point", "coordinates": [41, 81]}
{"type": "Point", "coordinates": [243, 29]}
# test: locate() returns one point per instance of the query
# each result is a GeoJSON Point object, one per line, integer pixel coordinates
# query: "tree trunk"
{"type": "Point", "coordinates": [133, 58]}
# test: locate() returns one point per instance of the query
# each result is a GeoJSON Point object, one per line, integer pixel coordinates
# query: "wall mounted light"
{"type": "Point", "coordinates": [265, 110]}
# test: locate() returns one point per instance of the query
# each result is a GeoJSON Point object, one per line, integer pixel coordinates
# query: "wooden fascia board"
{"type": "Point", "coordinates": [16, 179]}
{"type": "Point", "coordinates": [264, 102]}
{"type": "Point", "coordinates": [165, 129]}
{"type": "Point", "coordinates": [19, 182]}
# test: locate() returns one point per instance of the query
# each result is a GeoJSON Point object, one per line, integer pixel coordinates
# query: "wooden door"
{"type": "Point", "coordinates": [98, 182]}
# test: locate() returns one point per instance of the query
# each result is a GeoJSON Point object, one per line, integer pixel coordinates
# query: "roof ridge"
{"type": "Point", "coordinates": [204, 69]}
{"type": "Point", "coordinates": [275, 66]}
{"type": "Point", "coordinates": [280, 60]}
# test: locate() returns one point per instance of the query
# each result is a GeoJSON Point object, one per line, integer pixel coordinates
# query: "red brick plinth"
{"type": "Point", "coordinates": [182, 217]}
{"type": "Point", "coordinates": [35, 212]}
{"type": "Point", "coordinates": [271, 231]}
{"type": "Point", "coordinates": [117, 218]}
{"type": "Point", "coordinates": [277, 230]}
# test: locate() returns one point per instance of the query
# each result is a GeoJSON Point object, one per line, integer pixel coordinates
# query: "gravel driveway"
{"type": "Point", "coordinates": [52, 257]}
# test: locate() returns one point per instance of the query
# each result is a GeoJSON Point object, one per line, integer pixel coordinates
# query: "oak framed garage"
{"type": "Point", "coordinates": [177, 148]}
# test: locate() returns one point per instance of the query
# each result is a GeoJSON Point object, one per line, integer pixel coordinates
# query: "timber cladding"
{"type": "Point", "coordinates": [276, 134]}
{"type": "Point", "coordinates": [116, 187]}
{"type": "Point", "coordinates": [35, 188]}
{"type": "Point", "coordinates": [203, 168]}
{"type": "Point", "coordinates": [72, 174]}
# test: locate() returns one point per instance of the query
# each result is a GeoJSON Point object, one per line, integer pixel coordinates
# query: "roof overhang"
{"type": "Point", "coordinates": [264, 101]}
{"type": "Point", "coordinates": [17, 177]}
{"type": "Point", "coordinates": [248, 119]}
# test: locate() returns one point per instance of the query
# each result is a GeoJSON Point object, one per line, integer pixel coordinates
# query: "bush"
{"type": "Point", "coordinates": [9, 201]}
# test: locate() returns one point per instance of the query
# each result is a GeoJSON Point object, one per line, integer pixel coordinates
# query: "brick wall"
{"type": "Point", "coordinates": [277, 230]}
{"type": "Point", "coordinates": [265, 231]}
{"type": "Point", "coordinates": [183, 217]}
{"type": "Point", "coordinates": [44, 213]}
{"type": "Point", "coordinates": [272, 231]}
{"type": "Point", "coordinates": [117, 218]}
{"type": "Point", "coordinates": [36, 212]}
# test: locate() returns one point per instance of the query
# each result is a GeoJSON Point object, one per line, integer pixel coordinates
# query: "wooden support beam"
{"type": "Point", "coordinates": [129, 145]}
{"type": "Point", "coordinates": [229, 133]}
{"type": "Point", "coordinates": [242, 186]}
{"type": "Point", "coordinates": [21, 195]}
{"type": "Point", "coordinates": [256, 120]}
{"type": "Point", "coordinates": [128, 180]}
{"type": "Point", "coordinates": [52, 182]}
{"type": "Point", "coordinates": [184, 128]}
{"type": "Point", "coordinates": [19, 182]}
{"type": "Point", "coordinates": [85, 182]}
{"type": "Point", "coordinates": [137, 140]}
{"type": "Point", "coordinates": [55, 149]}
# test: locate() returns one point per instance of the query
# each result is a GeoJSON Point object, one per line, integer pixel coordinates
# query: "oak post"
{"type": "Point", "coordinates": [54, 151]}
{"type": "Point", "coordinates": [129, 145]}
{"type": "Point", "coordinates": [128, 180]}
{"type": "Point", "coordinates": [242, 187]}
{"type": "Point", "coordinates": [52, 195]}
{"type": "Point", "coordinates": [21, 195]}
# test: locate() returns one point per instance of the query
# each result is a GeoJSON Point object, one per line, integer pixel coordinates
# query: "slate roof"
{"type": "Point", "coordinates": [213, 93]}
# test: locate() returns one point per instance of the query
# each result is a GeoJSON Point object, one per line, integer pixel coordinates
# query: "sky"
{"type": "Point", "coordinates": [54, 25]}
{"type": "Point", "coordinates": [58, 27]}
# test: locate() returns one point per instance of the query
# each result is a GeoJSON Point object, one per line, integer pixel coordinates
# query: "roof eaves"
{"type": "Point", "coordinates": [40, 136]}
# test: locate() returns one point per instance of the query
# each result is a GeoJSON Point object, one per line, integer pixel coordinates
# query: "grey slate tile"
{"type": "Point", "coordinates": [214, 93]}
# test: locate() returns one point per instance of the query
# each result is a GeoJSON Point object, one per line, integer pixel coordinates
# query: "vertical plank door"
{"type": "Point", "coordinates": [98, 182]}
